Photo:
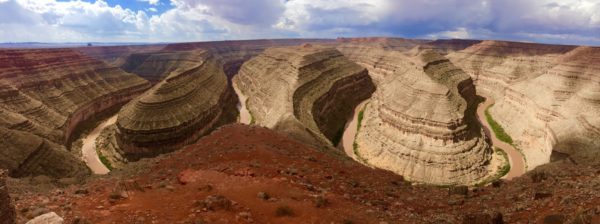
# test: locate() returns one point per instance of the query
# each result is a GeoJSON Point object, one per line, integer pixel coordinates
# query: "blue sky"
{"type": "Point", "coordinates": [546, 21]}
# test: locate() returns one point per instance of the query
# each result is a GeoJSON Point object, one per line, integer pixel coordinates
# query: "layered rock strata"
{"type": "Point", "coordinates": [117, 55]}
{"type": "Point", "coordinates": [45, 95]}
{"type": "Point", "coordinates": [421, 123]}
{"type": "Point", "coordinates": [7, 210]}
{"type": "Point", "coordinates": [190, 102]}
{"type": "Point", "coordinates": [308, 92]}
{"type": "Point", "coordinates": [547, 96]}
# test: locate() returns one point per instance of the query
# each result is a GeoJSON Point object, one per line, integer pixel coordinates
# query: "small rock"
{"type": "Point", "coordinates": [48, 218]}
{"type": "Point", "coordinates": [214, 203]}
{"type": "Point", "coordinates": [263, 195]}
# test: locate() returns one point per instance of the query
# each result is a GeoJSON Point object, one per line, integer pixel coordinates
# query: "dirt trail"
{"type": "Point", "coordinates": [515, 158]}
{"type": "Point", "coordinates": [90, 157]}
{"type": "Point", "coordinates": [244, 113]}
{"type": "Point", "coordinates": [350, 132]}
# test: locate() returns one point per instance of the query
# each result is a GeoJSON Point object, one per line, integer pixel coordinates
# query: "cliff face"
{"type": "Point", "coordinates": [421, 121]}
{"type": "Point", "coordinates": [308, 92]}
{"type": "Point", "coordinates": [45, 95]}
{"type": "Point", "coordinates": [7, 210]}
{"type": "Point", "coordinates": [190, 102]}
{"type": "Point", "coordinates": [547, 96]}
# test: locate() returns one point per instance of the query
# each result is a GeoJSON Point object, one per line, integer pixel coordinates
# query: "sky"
{"type": "Point", "coordinates": [546, 21]}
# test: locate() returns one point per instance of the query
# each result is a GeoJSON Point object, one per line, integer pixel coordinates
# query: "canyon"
{"type": "Point", "coordinates": [353, 130]}
{"type": "Point", "coordinates": [307, 91]}
{"type": "Point", "coordinates": [46, 97]}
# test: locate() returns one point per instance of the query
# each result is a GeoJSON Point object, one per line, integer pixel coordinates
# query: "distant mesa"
{"type": "Point", "coordinates": [191, 101]}
{"type": "Point", "coordinates": [306, 92]}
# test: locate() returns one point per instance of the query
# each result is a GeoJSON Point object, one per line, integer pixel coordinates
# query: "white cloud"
{"type": "Point", "coordinates": [565, 21]}
{"type": "Point", "coordinates": [151, 2]}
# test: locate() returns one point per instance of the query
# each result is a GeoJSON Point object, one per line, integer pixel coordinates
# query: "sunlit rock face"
{"type": "Point", "coordinates": [421, 121]}
{"type": "Point", "coordinates": [190, 102]}
{"type": "Point", "coordinates": [547, 96]}
{"type": "Point", "coordinates": [306, 91]}
{"type": "Point", "coordinates": [45, 96]}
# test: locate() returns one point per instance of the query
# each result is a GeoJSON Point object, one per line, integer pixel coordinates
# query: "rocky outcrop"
{"type": "Point", "coordinates": [308, 92]}
{"type": "Point", "coordinates": [190, 102]}
{"type": "Point", "coordinates": [45, 96]}
{"type": "Point", "coordinates": [48, 218]}
{"type": "Point", "coordinates": [421, 121]}
{"type": "Point", "coordinates": [7, 210]}
{"type": "Point", "coordinates": [547, 96]}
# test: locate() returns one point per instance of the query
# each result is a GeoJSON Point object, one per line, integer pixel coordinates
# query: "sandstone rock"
{"type": "Point", "coordinates": [7, 210]}
{"type": "Point", "coordinates": [263, 196]}
{"type": "Point", "coordinates": [215, 202]}
{"type": "Point", "coordinates": [48, 218]}
{"type": "Point", "coordinates": [307, 92]}
{"type": "Point", "coordinates": [45, 97]}
{"type": "Point", "coordinates": [546, 95]}
{"type": "Point", "coordinates": [192, 101]}
{"type": "Point", "coordinates": [421, 121]}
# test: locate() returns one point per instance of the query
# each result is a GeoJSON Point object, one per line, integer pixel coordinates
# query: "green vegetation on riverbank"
{"type": "Point", "coordinates": [355, 145]}
{"type": "Point", "coordinates": [497, 128]}
{"type": "Point", "coordinates": [502, 171]}
{"type": "Point", "coordinates": [104, 160]}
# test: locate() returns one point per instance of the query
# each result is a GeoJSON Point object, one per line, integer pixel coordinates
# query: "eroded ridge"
{"type": "Point", "coordinates": [547, 96]}
{"type": "Point", "coordinates": [308, 91]}
{"type": "Point", "coordinates": [45, 95]}
{"type": "Point", "coordinates": [421, 121]}
{"type": "Point", "coordinates": [189, 103]}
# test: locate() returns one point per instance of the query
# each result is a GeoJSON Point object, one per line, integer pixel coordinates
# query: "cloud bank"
{"type": "Point", "coordinates": [549, 21]}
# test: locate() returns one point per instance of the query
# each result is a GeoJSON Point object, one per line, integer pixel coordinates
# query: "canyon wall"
{"type": "Point", "coordinates": [420, 123]}
{"type": "Point", "coordinates": [308, 92]}
{"type": "Point", "coordinates": [547, 96]}
{"type": "Point", "coordinates": [7, 210]}
{"type": "Point", "coordinates": [45, 95]}
{"type": "Point", "coordinates": [190, 102]}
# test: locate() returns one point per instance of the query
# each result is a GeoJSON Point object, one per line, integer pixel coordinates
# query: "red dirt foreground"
{"type": "Point", "coordinates": [247, 174]}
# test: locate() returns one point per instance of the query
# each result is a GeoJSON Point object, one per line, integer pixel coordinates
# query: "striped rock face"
{"type": "Point", "coordinates": [190, 102]}
{"type": "Point", "coordinates": [7, 210]}
{"type": "Point", "coordinates": [308, 91]}
{"type": "Point", "coordinates": [45, 96]}
{"type": "Point", "coordinates": [421, 121]}
{"type": "Point", "coordinates": [547, 96]}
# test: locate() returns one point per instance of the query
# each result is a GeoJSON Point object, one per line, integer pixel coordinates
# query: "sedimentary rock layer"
{"type": "Point", "coordinates": [7, 210]}
{"type": "Point", "coordinates": [156, 65]}
{"type": "Point", "coordinates": [308, 92]}
{"type": "Point", "coordinates": [44, 96]}
{"type": "Point", "coordinates": [547, 96]}
{"type": "Point", "coordinates": [191, 101]}
{"type": "Point", "coordinates": [421, 121]}
{"type": "Point", "coordinates": [117, 55]}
